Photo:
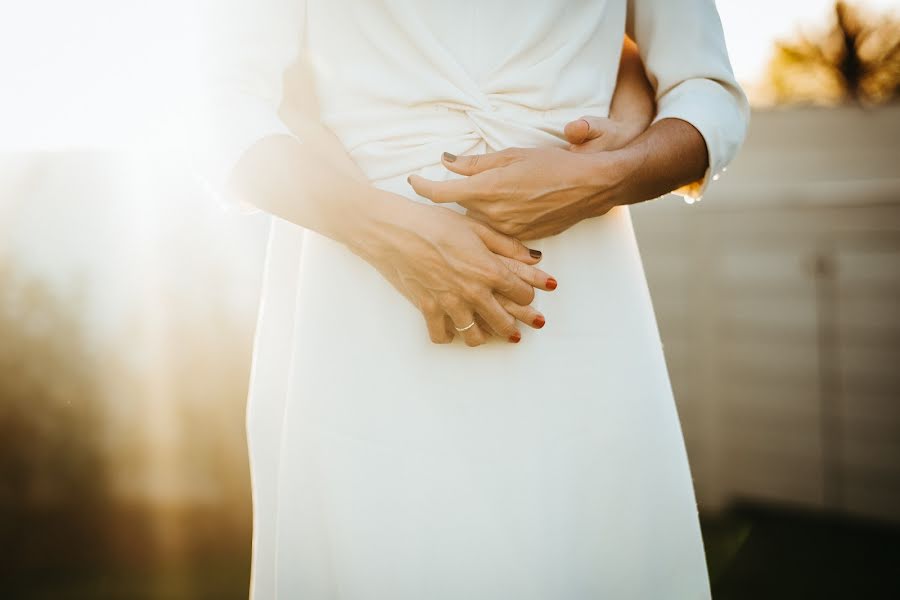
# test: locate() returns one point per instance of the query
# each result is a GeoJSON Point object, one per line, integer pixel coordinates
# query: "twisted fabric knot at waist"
{"type": "Point", "coordinates": [399, 141]}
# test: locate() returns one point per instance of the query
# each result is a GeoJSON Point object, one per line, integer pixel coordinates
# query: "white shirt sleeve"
{"type": "Point", "coordinates": [249, 45]}
{"type": "Point", "coordinates": [683, 49]}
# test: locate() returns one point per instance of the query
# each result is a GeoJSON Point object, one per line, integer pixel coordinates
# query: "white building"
{"type": "Point", "coordinates": [778, 298]}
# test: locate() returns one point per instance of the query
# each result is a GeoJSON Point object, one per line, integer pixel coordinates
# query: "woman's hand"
{"type": "Point", "coordinates": [531, 193]}
{"type": "Point", "coordinates": [454, 269]}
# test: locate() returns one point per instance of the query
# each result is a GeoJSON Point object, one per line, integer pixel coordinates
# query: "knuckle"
{"type": "Point", "coordinates": [442, 297]}
{"type": "Point", "coordinates": [494, 212]}
{"type": "Point", "coordinates": [472, 291]}
{"type": "Point", "coordinates": [516, 268]}
{"type": "Point", "coordinates": [452, 302]}
{"type": "Point", "coordinates": [495, 273]}
{"type": "Point", "coordinates": [503, 282]}
{"type": "Point", "coordinates": [529, 295]}
{"type": "Point", "coordinates": [505, 227]}
{"type": "Point", "coordinates": [485, 299]}
{"type": "Point", "coordinates": [428, 305]}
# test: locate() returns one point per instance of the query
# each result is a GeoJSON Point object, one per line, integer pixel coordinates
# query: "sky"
{"type": "Point", "coordinates": [56, 61]}
{"type": "Point", "coordinates": [752, 26]}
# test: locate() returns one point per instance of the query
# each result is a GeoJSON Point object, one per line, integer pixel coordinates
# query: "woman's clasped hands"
{"type": "Point", "coordinates": [465, 277]}
{"type": "Point", "coordinates": [471, 275]}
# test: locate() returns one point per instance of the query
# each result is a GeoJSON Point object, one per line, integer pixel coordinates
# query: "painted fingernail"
{"type": "Point", "coordinates": [551, 283]}
{"type": "Point", "coordinates": [538, 321]}
{"type": "Point", "coordinates": [534, 253]}
{"type": "Point", "coordinates": [449, 157]}
{"type": "Point", "coordinates": [514, 338]}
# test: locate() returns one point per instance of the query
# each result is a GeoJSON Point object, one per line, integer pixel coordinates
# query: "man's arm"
{"type": "Point", "coordinates": [633, 102]}
{"type": "Point", "coordinates": [669, 155]}
{"type": "Point", "coordinates": [701, 120]}
{"type": "Point", "coordinates": [631, 110]}
{"type": "Point", "coordinates": [683, 49]}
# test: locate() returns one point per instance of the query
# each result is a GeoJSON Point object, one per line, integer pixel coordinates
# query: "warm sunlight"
{"type": "Point", "coordinates": [78, 73]}
{"type": "Point", "coordinates": [439, 330]}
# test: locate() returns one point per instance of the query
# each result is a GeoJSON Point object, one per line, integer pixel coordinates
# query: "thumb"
{"type": "Point", "coordinates": [587, 129]}
{"type": "Point", "coordinates": [472, 164]}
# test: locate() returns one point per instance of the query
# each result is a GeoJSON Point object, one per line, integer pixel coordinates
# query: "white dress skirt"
{"type": "Point", "coordinates": [386, 467]}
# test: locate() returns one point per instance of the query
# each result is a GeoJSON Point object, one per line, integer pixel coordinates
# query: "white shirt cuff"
{"type": "Point", "coordinates": [711, 108]}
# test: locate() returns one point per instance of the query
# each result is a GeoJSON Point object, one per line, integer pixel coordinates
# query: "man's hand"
{"type": "Point", "coordinates": [598, 134]}
{"type": "Point", "coordinates": [529, 193]}
{"type": "Point", "coordinates": [532, 193]}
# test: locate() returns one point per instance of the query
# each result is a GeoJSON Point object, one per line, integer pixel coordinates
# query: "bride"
{"type": "Point", "coordinates": [458, 388]}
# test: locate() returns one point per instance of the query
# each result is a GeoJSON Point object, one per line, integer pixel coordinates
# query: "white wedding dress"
{"type": "Point", "coordinates": [386, 467]}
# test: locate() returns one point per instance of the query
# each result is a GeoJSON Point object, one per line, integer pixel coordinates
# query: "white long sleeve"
{"type": "Point", "coordinates": [684, 53]}
{"type": "Point", "coordinates": [250, 45]}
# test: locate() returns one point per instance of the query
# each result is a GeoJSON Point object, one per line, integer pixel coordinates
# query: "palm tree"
{"type": "Point", "coordinates": [857, 60]}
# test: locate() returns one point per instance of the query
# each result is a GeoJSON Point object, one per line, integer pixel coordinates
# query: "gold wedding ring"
{"type": "Point", "coordinates": [466, 328]}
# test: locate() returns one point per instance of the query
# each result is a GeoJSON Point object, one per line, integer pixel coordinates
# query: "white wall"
{"type": "Point", "coordinates": [778, 299]}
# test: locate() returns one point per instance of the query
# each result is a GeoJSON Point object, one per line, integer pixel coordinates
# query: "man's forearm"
{"type": "Point", "coordinates": [670, 154]}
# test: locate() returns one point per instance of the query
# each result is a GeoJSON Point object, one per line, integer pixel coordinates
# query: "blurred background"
{"type": "Point", "coordinates": [128, 301]}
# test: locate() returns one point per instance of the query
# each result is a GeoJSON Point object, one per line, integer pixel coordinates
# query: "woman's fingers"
{"type": "Point", "coordinates": [526, 314]}
{"type": "Point", "coordinates": [495, 317]}
{"type": "Point", "coordinates": [454, 272]}
{"type": "Point", "coordinates": [512, 286]}
{"type": "Point", "coordinates": [448, 326]}
{"type": "Point", "coordinates": [530, 275]}
{"type": "Point", "coordinates": [501, 322]}
{"type": "Point", "coordinates": [507, 246]}
{"type": "Point", "coordinates": [437, 327]}
{"type": "Point", "coordinates": [435, 318]}
{"type": "Point", "coordinates": [518, 281]}
{"type": "Point", "coordinates": [487, 329]}
{"type": "Point", "coordinates": [463, 317]}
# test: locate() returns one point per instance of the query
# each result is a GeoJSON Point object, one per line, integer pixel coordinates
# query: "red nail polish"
{"type": "Point", "coordinates": [551, 283]}
{"type": "Point", "coordinates": [538, 321]}
{"type": "Point", "coordinates": [514, 338]}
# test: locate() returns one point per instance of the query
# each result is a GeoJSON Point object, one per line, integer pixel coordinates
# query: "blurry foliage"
{"type": "Point", "coordinates": [52, 469]}
{"type": "Point", "coordinates": [856, 60]}
{"type": "Point", "coordinates": [66, 444]}
{"type": "Point", "coordinates": [123, 459]}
